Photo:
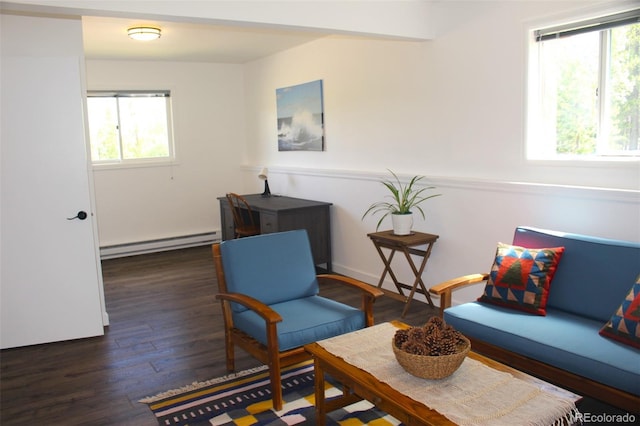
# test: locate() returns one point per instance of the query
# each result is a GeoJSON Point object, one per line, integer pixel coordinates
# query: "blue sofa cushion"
{"type": "Point", "coordinates": [520, 278]}
{"type": "Point", "coordinates": [271, 268]}
{"type": "Point", "coordinates": [594, 274]}
{"type": "Point", "coordinates": [298, 328]}
{"type": "Point", "coordinates": [561, 339]}
{"type": "Point", "coordinates": [624, 325]}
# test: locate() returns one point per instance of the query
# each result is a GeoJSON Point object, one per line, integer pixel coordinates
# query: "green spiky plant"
{"type": "Point", "coordinates": [404, 198]}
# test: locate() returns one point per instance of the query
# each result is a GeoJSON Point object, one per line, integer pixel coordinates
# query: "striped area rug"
{"type": "Point", "coordinates": [245, 399]}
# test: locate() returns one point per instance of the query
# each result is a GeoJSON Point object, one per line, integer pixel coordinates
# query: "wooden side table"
{"type": "Point", "coordinates": [406, 244]}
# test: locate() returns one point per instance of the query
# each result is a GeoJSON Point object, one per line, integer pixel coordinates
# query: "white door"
{"type": "Point", "coordinates": [50, 289]}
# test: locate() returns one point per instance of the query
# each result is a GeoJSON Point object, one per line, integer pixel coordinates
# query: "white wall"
{"type": "Point", "coordinates": [453, 105]}
{"type": "Point", "coordinates": [451, 109]}
{"type": "Point", "coordinates": [147, 203]}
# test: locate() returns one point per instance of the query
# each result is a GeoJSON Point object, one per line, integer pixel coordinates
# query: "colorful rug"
{"type": "Point", "coordinates": [245, 399]}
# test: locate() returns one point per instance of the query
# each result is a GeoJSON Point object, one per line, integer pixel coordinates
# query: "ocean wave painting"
{"type": "Point", "coordinates": [300, 117]}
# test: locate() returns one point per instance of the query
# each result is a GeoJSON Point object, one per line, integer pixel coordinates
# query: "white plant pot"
{"type": "Point", "coordinates": [402, 223]}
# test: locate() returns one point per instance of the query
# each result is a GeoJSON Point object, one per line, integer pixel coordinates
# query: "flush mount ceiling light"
{"type": "Point", "coordinates": [144, 33]}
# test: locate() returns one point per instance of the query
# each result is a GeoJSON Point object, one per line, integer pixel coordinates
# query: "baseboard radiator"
{"type": "Point", "coordinates": [163, 244]}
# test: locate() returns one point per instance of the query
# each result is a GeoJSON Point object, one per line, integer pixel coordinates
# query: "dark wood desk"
{"type": "Point", "coordinates": [277, 214]}
{"type": "Point", "coordinates": [406, 244]}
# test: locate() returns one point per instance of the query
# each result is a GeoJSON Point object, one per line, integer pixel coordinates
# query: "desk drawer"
{"type": "Point", "coordinates": [268, 223]}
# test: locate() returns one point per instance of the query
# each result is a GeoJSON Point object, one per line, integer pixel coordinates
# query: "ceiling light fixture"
{"type": "Point", "coordinates": [144, 33]}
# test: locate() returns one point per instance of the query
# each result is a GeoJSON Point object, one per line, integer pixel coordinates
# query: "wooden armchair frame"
{"type": "Point", "coordinates": [549, 373]}
{"type": "Point", "coordinates": [271, 354]}
{"type": "Point", "coordinates": [444, 290]}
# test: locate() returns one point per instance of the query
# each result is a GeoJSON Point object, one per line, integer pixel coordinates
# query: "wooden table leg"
{"type": "Point", "coordinates": [418, 280]}
{"type": "Point", "coordinates": [387, 268]}
{"type": "Point", "coordinates": [319, 388]}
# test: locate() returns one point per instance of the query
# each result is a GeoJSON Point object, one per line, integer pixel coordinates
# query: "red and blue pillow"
{"type": "Point", "coordinates": [624, 325]}
{"type": "Point", "coordinates": [520, 277]}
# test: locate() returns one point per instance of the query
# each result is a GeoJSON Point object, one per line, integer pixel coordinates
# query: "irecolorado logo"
{"type": "Point", "coordinates": [604, 418]}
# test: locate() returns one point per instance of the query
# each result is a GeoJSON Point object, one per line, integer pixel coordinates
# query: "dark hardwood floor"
{"type": "Point", "coordinates": [165, 332]}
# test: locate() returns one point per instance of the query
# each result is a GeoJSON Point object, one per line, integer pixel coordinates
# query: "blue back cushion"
{"type": "Point", "coordinates": [593, 275]}
{"type": "Point", "coordinates": [272, 268]}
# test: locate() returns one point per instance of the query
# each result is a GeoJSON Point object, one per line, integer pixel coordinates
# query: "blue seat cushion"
{"type": "Point", "coordinates": [271, 268]}
{"type": "Point", "coordinates": [304, 321]}
{"type": "Point", "coordinates": [561, 339]}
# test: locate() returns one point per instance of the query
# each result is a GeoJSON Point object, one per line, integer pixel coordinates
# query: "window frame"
{"type": "Point", "coordinates": [168, 160]}
{"type": "Point", "coordinates": [537, 148]}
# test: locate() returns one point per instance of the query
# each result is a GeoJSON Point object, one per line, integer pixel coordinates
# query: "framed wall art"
{"type": "Point", "coordinates": [300, 117]}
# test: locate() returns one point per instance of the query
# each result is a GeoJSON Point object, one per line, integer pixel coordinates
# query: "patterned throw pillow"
{"type": "Point", "coordinates": [624, 325]}
{"type": "Point", "coordinates": [520, 277]}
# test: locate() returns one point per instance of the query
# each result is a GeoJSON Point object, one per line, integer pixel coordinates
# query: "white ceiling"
{"type": "Point", "coordinates": [230, 31]}
{"type": "Point", "coordinates": [106, 38]}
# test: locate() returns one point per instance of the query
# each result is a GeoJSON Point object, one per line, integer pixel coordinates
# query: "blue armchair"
{"type": "Point", "coordinates": [269, 292]}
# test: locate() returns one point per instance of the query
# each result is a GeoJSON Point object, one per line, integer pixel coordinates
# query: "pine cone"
{"type": "Point", "coordinates": [449, 334]}
{"type": "Point", "coordinates": [435, 352]}
{"type": "Point", "coordinates": [447, 347]}
{"type": "Point", "coordinates": [417, 334]}
{"type": "Point", "coordinates": [432, 342]}
{"type": "Point", "coordinates": [430, 328]}
{"type": "Point", "coordinates": [400, 337]}
{"type": "Point", "coordinates": [415, 348]}
{"type": "Point", "coordinates": [436, 321]}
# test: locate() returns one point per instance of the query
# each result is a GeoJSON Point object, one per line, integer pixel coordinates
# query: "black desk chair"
{"type": "Point", "coordinates": [243, 221]}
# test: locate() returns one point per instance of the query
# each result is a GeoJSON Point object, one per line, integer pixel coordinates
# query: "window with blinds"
{"type": "Point", "coordinates": [584, 89]}
{"type": "Point", "coordinates": [128, 127]}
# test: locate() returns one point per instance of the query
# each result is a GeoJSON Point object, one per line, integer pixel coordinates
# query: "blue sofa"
{"type": "Point", "coordinates": [564, 346]}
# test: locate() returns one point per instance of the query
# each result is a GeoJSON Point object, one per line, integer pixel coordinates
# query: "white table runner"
{"type": "Point", "coordinates": [474, 395]}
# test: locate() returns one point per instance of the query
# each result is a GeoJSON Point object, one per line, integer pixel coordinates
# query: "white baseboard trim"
{"type": "Point", "coordinates": [162, 244]}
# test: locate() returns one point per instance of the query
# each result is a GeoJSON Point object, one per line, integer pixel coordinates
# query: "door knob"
{"type": "Point", "coordinates": [82, 215]}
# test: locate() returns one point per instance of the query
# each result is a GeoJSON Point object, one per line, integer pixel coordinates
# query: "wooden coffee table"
{"type": "Point", "coordinates": [359, 384]}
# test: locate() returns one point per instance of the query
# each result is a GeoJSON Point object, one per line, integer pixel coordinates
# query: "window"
{"type": "Point", "coordinates": [129, 127]}
{"type": "Point", "coordinates": [584, 90]}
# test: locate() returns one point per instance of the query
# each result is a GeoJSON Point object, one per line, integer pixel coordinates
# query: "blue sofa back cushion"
{"type": "Point", "coordinates": [567, 341]}
{"type": "Point", "coordinates": [272, 268]}
{"type": "Point", "coordinates": [298, 328]}
{"type": "Point", "coordinates": [593, 275]}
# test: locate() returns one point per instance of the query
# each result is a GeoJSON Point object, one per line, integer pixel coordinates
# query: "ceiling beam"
{"type": "Point", "coordinates": [402, 19]}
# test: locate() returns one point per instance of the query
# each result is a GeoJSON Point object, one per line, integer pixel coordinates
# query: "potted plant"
{"type": "Point", "coordinates": [404, 199]}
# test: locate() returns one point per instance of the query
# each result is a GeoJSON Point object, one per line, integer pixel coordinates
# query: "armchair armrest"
{"type": "Point", "coordinates": [445, 289]}
{"type": "Point", "coordinates": [255, 305]}
{"type": "Point", "coordinates": [369, 293]}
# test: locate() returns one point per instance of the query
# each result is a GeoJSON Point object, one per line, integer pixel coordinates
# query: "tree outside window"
{"type": "Point", "coordinates": [585, 102]}
{"type": "Point", "coordinates": [129, 127]}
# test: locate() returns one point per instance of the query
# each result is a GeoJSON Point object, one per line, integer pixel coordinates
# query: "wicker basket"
{"type": "Point", "coordinates": [432, 367]}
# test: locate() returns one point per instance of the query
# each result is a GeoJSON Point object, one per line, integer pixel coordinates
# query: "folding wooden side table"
{"type": "Point", "coordinates": [406, 244]}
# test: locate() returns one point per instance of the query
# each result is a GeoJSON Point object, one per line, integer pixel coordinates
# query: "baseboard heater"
{"type": "Point", "coordinates": [163, 244]}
